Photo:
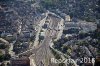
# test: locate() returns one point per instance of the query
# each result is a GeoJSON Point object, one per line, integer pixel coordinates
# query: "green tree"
{"type": "Point", "coordinates": [2, 46]}
{"type": "Point", "coordinates": [7, 57]}
{"type": "Point", "coordinates": [1, 58]}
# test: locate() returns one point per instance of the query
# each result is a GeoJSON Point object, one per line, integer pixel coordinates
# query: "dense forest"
{"type": "Point", "coordinates": [82, 9]}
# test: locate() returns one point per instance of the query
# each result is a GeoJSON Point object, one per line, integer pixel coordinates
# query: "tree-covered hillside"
{"type": "Point", "coordinates": [82, 9]}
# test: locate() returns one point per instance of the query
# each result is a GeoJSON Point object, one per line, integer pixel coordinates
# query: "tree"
{"type": "Point", "coordinates": [2, 46]}
{"type": "Point", "coordinates": [62, 64]}
{"type": "Point", "coordinates": [7, 57]}
{"type": "Point", "coordinates": [1, 58]}
{"type": "Point", "coordinates": [64, 49]}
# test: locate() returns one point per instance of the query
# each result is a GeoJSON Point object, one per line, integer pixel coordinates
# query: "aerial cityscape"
{"type": "Point", "coordinates": [49, 32]}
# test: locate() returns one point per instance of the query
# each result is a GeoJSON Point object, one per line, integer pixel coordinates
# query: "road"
{"type": "Point", "coordinates": [43, 55]}
{"type": "Point", "coordinates": [39, 29]}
